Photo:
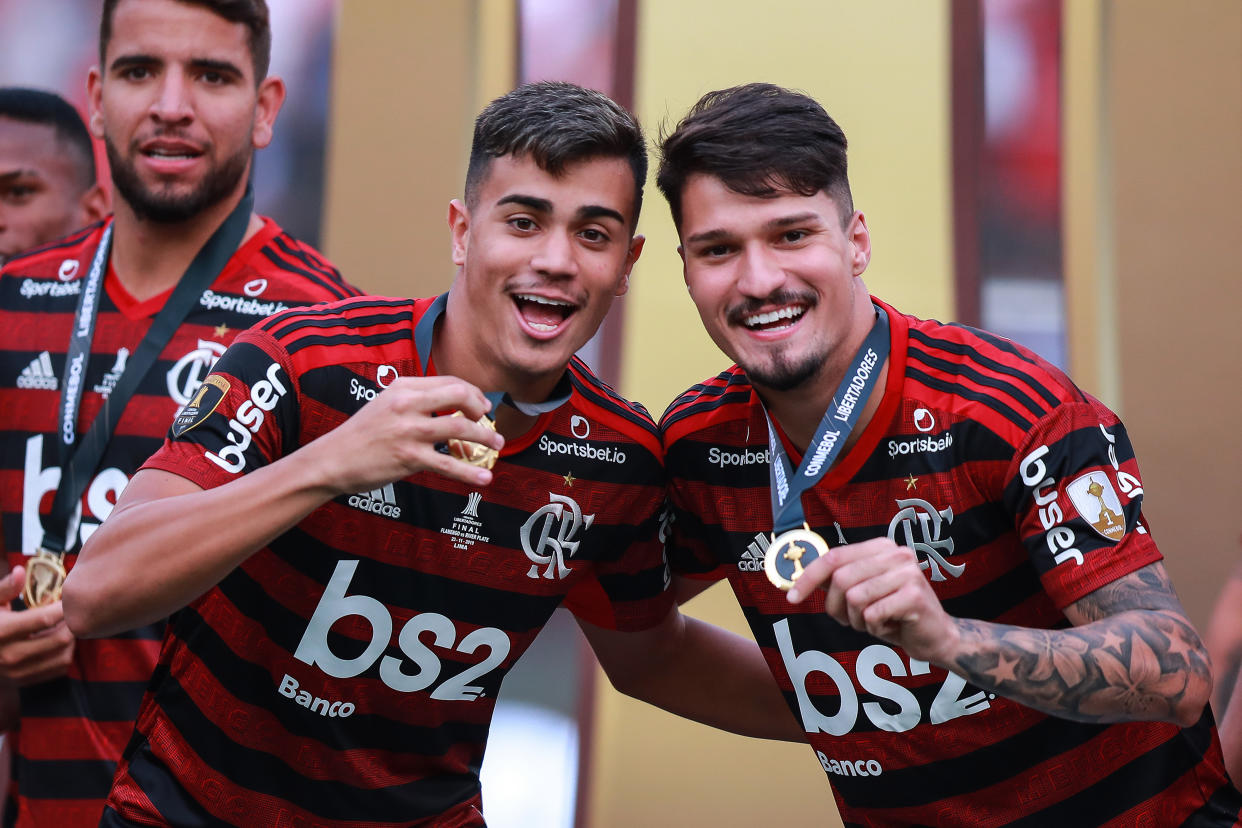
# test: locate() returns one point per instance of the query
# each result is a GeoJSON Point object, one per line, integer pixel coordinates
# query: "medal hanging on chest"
{"type": "Point", "coordinates": [794, 544]}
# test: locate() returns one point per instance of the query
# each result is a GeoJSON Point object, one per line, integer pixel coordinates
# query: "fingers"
{"type": "Point", "coordinates": [11, 585]}
{"type": "Point", "coordinates": [35, 645]}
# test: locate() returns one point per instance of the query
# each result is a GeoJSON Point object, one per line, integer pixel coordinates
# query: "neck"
{"type": "Point", "coordinates": [150, 257]}
{"type": "Point", "coordinates": [799, 410]}
{"type": "Point", "coordinates": [458, 350]}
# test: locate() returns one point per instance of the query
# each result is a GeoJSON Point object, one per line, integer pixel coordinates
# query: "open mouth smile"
{"type": "Point", "coordinates": [542, 314]}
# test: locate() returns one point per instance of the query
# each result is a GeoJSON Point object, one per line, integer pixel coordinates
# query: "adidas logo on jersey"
{"type": "Point", "coordinates": [39, 374]}
{"type": "Point", "coordinates": [752, 558]}
{"type": "Point", "coordinates": [382, 501]}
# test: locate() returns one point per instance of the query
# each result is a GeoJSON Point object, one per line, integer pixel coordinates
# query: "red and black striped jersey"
{"type": "Point", "coordinates": [1020, 494]}
{"type": "Point", "coordinates": [73, 729]}
{"type": "Point", "coordinates": [346, 673]}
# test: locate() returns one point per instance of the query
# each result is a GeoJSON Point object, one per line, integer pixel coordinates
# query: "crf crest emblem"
{"type": "Point", "coordinates": [930, 547]}
{"type": "Point", "coordinates": [551, 534]}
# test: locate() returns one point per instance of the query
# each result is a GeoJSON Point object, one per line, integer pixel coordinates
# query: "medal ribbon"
{"type": "Point", "coordinates": [423, 333]}
{"type": "Point", "coordinates": [830, 435]}
{"type": "Point", "coordinates": [78, 461]}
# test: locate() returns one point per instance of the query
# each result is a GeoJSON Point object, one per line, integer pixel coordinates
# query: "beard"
{"type": "Point", "coordinates": [782, 373]}
{"type": "Point", "coordinates": [158, 204]}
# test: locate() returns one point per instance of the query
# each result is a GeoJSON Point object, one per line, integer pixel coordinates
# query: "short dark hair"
{"type": "Point", "coordinates": [251, 13]}
{"type": "Point", "coordinates": [557, 124]}
{"type": "Point", "coordinates": [34, 106]}
{"type": "Point", "coordinates": [759, 140]}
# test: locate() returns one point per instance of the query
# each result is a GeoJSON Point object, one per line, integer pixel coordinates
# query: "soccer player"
{"type": "Point", "coordinates": [48, 187]}
{"type": "Point", "coordinates": [978, 628]}
{"type": "Point", "coordinates": [361, 566]}
{"type": "Point", "coordinates": [97, 358]}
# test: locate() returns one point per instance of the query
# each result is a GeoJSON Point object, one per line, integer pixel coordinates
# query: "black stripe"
{"type": "Point", "coordinates": [295, 316]}
{"type": "Point", "coordinates": [72, 240]}
{"type": "Point", "coordinates": [962, 349]}
{"type": "Point", "coordinates": [289, 267]}
{"type": "Point", "coordinates": [290, 247]}
{"type": "Point", "coordinates": [963, 369]}
{"type": "Point", "coordinates": [608, 403]}
{"type": "Point", "coordinates": [64, 697]}
{"type": "Point", "coordinates": [1139, 780]}
{"type": "Point", "coordinates": [1220, 811]}
{"type": "Point", "coordinates": [266, 774]}
{"type": "Point", "coordinates": [370, 341]}
{"type": "Point", "coordinates": [580, 370]}
{"type": "Point", "coordinates": [970, 394]}
{"type": "Point", "coordinates": [64, 778]}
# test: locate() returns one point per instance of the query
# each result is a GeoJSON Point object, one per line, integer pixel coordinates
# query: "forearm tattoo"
{"type": "Point", "coordinates": [1136, 656]}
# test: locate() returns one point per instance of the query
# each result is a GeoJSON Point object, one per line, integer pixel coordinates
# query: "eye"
{"type": "Point", "coordinates": [522, 224]}
{"type": "Point", "coordinates": [791, 236]}
{"type": "Point", "coordinates": [594, 235]}
{"type": "Point", "coordinates": [18, 193]}
{"type": "Point", "coordinates": [136, 73]}
{"type": "Point", "coordinates": [213, 78]}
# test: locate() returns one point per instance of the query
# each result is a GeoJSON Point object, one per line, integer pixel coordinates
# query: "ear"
{"type": "Point", "coordinates": [636, 250]}
{"type": "Point", "coordinates": [270, 97]}
{"type": "Point", "coordinates": [459, 227]}
{"type": "Point", "coordinates": [93, 205]}
{"type": "Point", "coordinates": [94, 101]}
{"type": "Point", "coordinates": [860, 238]}
{"type": "Point", "coordinates": [685, 274]}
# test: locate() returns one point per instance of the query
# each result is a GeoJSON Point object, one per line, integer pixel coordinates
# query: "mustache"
{"type": "Point", "coordinates": [749, 307]}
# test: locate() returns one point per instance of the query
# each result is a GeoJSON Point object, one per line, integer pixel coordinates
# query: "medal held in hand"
{"type": "Point", "coordinates": [45, 576]}
{"type": "Point", "coordinates": [790, 554]}
{"type": "Point", "coordinates": [793, 548]}
{"type": "Point", "coordinates": [476, 454]}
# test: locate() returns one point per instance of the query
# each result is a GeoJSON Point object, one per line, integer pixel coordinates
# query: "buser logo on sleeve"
{"type": "Point", "coordinates": [264, 395]}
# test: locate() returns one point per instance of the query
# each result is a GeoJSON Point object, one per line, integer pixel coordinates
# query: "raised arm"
{"type": "Point", "coordinates": [1131, 655]}
{"type": "Point", "coordinates": [168, 541]}
{"type": "Point", "coordinates": [699, 671]}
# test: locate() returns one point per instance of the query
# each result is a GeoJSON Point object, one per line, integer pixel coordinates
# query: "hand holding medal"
{"type": "Point", "coordinates": [792, 548]}
{"type": "Point", "coordinates": [476, 454]}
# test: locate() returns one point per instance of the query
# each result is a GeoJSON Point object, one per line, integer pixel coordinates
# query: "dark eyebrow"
{"type": "Point", "coordinates": [775, 224]}
{"type": "Point", "coordinates": [595, 211]}
{"type": "Point", "coordinates": [539, 205]}
{"type": "Point", "coordinates": [14, 175]}
{"type": "Point", "coordinates": [708, 236]}
{"type": "Point", "coordinates": [223, 67]}
{"type": "Point", "coordinates": [127, 61]}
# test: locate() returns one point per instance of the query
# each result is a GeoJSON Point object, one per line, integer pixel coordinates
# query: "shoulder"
{"type": "Point", "coordinates": [972, 372]}
{"type": "Point", "coordinates": [360, 321]}
{"type": "Point", "coordinates": [66, 259]}
{"type": "Point", "coordinates": [594, 396]}
{"type": "Point", "coordinates": [725, 397]}
{"type": "Point", "coordinates": [292, 267]}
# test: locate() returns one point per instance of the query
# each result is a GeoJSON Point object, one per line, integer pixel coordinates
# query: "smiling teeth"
{"type": "Point", "coordinates": [539, 300]}
{"type": "Point", "coordinates": [773, 316]}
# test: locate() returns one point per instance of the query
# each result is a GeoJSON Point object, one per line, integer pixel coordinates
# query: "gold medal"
{"type": "Point", "coordinates": [45, 575]}
{"type": "Point", "coordinates": [475, 454]}
{"type": "Point", "coordinates": [789, 555]}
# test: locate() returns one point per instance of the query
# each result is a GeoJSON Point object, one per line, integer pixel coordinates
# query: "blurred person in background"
{"type": "Point", "coordinates": [105, 335]}
{"type": "Point", "coordinates": [48, 186]}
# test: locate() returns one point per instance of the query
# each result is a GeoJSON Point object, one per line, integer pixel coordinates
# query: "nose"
{"type": "Point", "coordinates": [172, 103]}
{"type": "Point", "coordinates": [555, 254]}
{"type": "Point", "coordinates": [760, 273]}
